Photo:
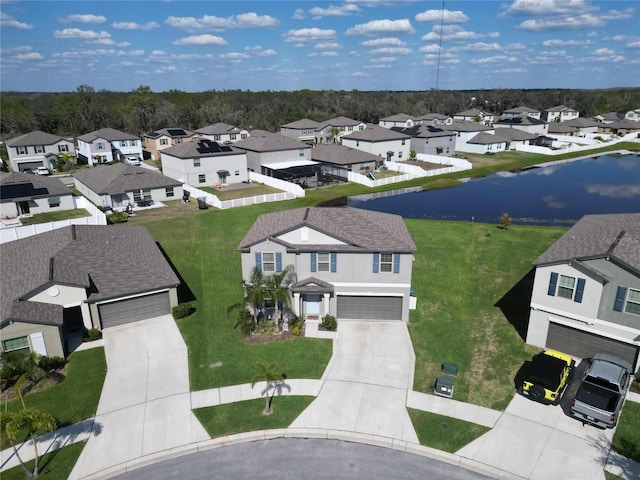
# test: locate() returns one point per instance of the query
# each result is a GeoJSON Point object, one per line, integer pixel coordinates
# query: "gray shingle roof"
{"type": "Point", "coordinates": [526, 120]}
{"type": "Point", "coordinates": [398, 117]}
{"type": "Point", "coordinates": [339, 122]}
{"type": "Point", "coordinates": [582, 122]}
{"type": "Point", "coordinates": [424, 131]}
{"type": "Point", "coordinates": [114, 260]}
{"type": "Point", "coordinates": [515, 134]}
{"type": "Point", "coordinates": [466, 126]}
{"type": "Point", "coordinates": [361, 230]}
{"type": "Point", "coordinates": [263, 141]}
{"type": "Point", "coordinates": [596, 236]}
{"type": "Point", "coordinates": [190, 150]}
{"type": "Point", "coordinates": [561, 127]}
{"type": "Point", "coordinates": [521, 109]}
{"type": "Point", "coordinates": [560, 108]}
{"type": "Point", "coordinates": [218, 129]}
{"type": "Point", "coordinates": [341, 155]}
{"type": "Point", "coordinates": [109, 134]}
{"type": "Point", "coordinates": [302, 124]}
{"type": "Point", "coordinates": [375, 133]}
{"type": "Point", "coordinates": [121, 178]}
{"type": "Point", "coordinates": [23, 185]}
{"type": "Point", "coordinates": [485, 138]}
{"type": "Point", "coordinates": [171, 132]}
{"type": "Point", "coordinates": [34, 138]}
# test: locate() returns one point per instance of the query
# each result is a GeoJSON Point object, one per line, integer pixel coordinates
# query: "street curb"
{"type": "Point", "coordinates": [306, 433]}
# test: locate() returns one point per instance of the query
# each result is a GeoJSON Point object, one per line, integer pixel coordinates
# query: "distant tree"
{"type": "Point", "coordinates": [505, 221]}
{"type": "Point", "coordinates": [334, 131]}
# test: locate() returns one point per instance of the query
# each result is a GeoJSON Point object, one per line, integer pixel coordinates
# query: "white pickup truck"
{"type": "Point", "coordinates": [602, 391]}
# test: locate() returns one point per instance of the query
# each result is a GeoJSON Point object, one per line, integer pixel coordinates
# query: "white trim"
{"type": "Point", "coordinates": [563, 313]}
{"type": "Point", "coordinates": [128, 297]}
{"type": "Point", "coordinates": [37, 343]}
{"type": "Point", "coordinates": [371, 285]}
{"type": "Point", "coordinates": [602, 333]}
{"type": "Point", "coordinates": [368, 294]}
{"type": "Point", "coordinates": [289, 164]}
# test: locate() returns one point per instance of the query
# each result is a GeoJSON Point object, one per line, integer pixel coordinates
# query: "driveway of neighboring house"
{"type": "Point", "coordinates": [366, 383]}
{"type": "Point", "coordinates": [145, 406]}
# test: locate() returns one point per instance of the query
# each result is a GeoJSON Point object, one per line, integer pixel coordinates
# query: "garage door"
{"type": "Point", "coordinates": [29, 166]}
{"type": "Point", "coordinates": [584, 345]}
{"type": "Point", "coordinates": [139, 308]}
{"type": "Point", "coordinates": [370, 308]}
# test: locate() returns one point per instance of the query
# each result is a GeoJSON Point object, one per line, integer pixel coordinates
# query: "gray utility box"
{"type": "Point", "coordinates": [444, 387]}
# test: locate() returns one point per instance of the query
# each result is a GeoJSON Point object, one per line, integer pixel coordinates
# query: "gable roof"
{"type": "Point", "coordinates": [521, 109]}
{"type": "Point", "coordinates": [398, 117]}
{"type": "Point", "coordinates": [202, 148]}
{"type": "Point", "coordinates": [485, 138]}
{"type": "Point", "coordinates": [376, 133]}
{"type": "Point", "coordinates": [561, 108]}
{"type": "Point", "coordinates": [170, 132]}
{"type": "Point", "coordinates": [466, 126]}
{"type": "Point", "coordinates": [473, 112]}
{"type": "Point", "coordinates": [582, 122]}
{"type": "Point", "coordinates": [25, 186]}
{"type": "Point", "coordinates": [432, 116]}
{"type": "Point", "coordinates": [218, 128]}
{"type": "Point", "coordinates": [597, 236]}
{"type": "Point", "coordinates": [520, 121]}
{"type": "Point", "coordinates": [109, 134]}
{"type": "Point", "coordinates": [121, 178]}
{"type": "Point", "coordinates": [361, 230]}
{"type": "Point", "coordinates": [263, 141]}
{"type": "Point", "coordinates": [34, 138]}
{"type": "Point", "coordinates": [341, 155]}
{"type": "Point", "coordinates": [113, 260]}
{"type": "Point", "coordinates": [339, 122]}
{"type": "Point", "coordinates": [561, 127]}
{"type": "Point", "coordinates": [515, 134]}
{"type": "Point", "coordinates": [301, 124]}
{"type": "Point", "coordinates": [424, 131]}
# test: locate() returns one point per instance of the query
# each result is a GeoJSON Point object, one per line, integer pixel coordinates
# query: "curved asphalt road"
{"type": "Point", "coordinates": [293, 459]}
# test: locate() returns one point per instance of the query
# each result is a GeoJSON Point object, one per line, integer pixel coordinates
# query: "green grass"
{"type": "Point", "coordinates": [611, 476]}
{"type": "Point", "coordinates": [626, 440]}
{"type": "Point", "coordinates": [55, 216]}
{"type": "Point", "coordinates": [247, 416]}
{"type": "Point", "coordinates": [232, 194]}
{"type": "Point", "coordinates": [473, 286]}
{"type": "Point", "coordinates": [56, 465]}
{"type": "Point", "coordinates": [73, 399]}
{"type": "Point", "coordinates": [444, 433]}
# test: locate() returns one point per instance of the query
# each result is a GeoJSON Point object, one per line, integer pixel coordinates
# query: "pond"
{"type": "Point", "coordinates": [559, 193]}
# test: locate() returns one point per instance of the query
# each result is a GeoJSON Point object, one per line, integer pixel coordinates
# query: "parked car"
{"type": "Point", "coordinates": [133, 161]}
{"type": "Point", "coordinates": [42, 171]}
{"type": "Point", "coordinates": [548, 376]}
{"type": "Point", "coordinates": [602, 391]}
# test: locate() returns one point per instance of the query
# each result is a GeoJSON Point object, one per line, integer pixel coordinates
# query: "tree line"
{"type": "Point", "coordinates": [143, 111]}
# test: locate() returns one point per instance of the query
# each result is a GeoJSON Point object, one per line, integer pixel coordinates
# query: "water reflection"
{"type": "Point", "coordinates": [556, 193]}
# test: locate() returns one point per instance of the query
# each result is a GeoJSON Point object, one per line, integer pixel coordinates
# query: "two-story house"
{"type": "Point", "coordinates": [524, 122]}
{"type": "Point", "coordinates": [303, 130]}
{"type": "Point", "coordinates": [560, 113]}
{"type": "Point", "coordinates": [586, 290]}
{"type": "Point", "coordinates": [466, 132]}
{"type": "Point", "coordinates": [521, 111]}
{"type": "Point", "coordinates": [269, 152]}
{"type": "Point", "coordinates": [334, 129]}
{"type": "Point", "coordinates": [36, 149]}
{"type": "Point", "coordinates": [205, 163]}
{"type": "Point", "coordinates": [384, 142]}
{"type": "Point", "coordinates": [475, 115]}
{"type": "Point", "coordinates": [108, 144]}
{"type": "Point", "coordinates": [430, 139]}
{"type": "Point", "coordinates": [348, 262]}
{"type": "Point", "coordinates": [399, 120]}
{"type": "Point", "coordinates": [153, 143]}
{"type": "Point", "coordinates": [222, 133]}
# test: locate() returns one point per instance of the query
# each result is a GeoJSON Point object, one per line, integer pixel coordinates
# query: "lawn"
{"type": "Point", "coordinates": [444, 433]}
{"type": "Point", "coordinates": [626, 440]}
{"type": "Point", "coordinates": [247, 416]}
{"type": "Point", "coordinates": [56, 465]}
{"type": "Point", "coordinates": [55, 216]}
{"type": "Point", "coordinates": [473, 285]}
{"type": "Point", "coordinates": [233, 194]}
{"type": "Point", "coordinates": [76, 397]}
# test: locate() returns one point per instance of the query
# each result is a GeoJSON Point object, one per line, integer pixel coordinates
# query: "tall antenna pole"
{"type": "Point", "coordinates": [440, 47]}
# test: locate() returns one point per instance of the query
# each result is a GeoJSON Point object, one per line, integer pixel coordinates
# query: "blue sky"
{"type": "Point", "coordinates": [293, 45]}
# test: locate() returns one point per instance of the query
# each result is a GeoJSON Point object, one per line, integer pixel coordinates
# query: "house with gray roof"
{"type": "Point", "coordinates": [430, 139]}
{"type": "Point", "coordinates": [399, 120]}
{"type": "Point", "coordinates": [204, 162]}
{"type": "Point", "coordinates": [586, 290]}
{"type": "Point", "coordinates": [108, 144]}
{"type": "Point", "coordinates": [337, 160]}
{"type": "Point", "coordinates": [384, 142]}
{"type": "Point", "coordinates": [221, 132]}
{"type": "Point", "coordinates": [521, 111]}
{"type": "Point", "coordinates": [620, 127]}
{"type": "Point", "coordinates": [486, 143]}
{"type": "Point", "coordinates": [119, 185]}
{"type": "Point", "coordinates": [153, 143]}
{"type": "Point", "coordinates": [36, 149]}
{"type": "Point", "coordinates": [343, 126]}
{"type": "Point", "coordinates": [560, 113]}
{"type": "Point", "coordinates": [516, 137]}
{"type": "Point", "coordinates": [608, 117]}
{"type": "Point", "coordinates": [76, 278]}
{"type": "Point", "coordinates": [303, 130]}
{"type": "Point", "coordinates": [23, 194]}
{"type": "Point", "coordinates": [475, 115]}
{"type": "Point", "coordinates": [267, 152]}
{"type": "Point", "coordinates": [348, 262]}
{"type": "Point", "coordinates": [524, 122]}
{"type": "Point", "coordinates": [466, 131]}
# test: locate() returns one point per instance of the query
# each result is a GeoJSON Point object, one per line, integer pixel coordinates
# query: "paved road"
{"type": "Point", "coordinates": [293, 459]}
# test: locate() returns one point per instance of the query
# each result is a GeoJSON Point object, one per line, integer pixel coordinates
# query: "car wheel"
{"type": "Point", "coordinates": [537, 392]}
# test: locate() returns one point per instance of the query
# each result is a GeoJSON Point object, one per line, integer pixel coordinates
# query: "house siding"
{"type": "Point", "coordinates": [51, 335]}
{"type": "Point", "coordinates": [50, 151]}
{"type": "Point", "coordinates": [38, 205]}
{"type": "Point", "coordinates": [400, 151]}
{"type": "Point", "coordinates": [182, 169]}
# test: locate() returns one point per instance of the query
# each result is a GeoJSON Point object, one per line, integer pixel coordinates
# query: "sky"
{"type": "Point", "coordinates": [192, 46]}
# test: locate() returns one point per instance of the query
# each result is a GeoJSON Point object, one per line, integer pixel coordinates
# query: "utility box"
{"type": "Point", "coordinates": [450, 368]}
{"type": "Point", "coordinates": [444, 387]}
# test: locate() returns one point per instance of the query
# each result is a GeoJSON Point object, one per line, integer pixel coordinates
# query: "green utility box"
{"type": "Point", "coordinates": [450, 368]}
{"type": "Point", "coordinates": [444, 387]}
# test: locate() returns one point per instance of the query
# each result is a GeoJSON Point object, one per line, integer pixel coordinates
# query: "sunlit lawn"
{"type": "Point", "coordinates": [55, 465]}
{"type": "Point", "coordinates": [54, 216]}
{"type": "Point", "coordinates": [444, 433]}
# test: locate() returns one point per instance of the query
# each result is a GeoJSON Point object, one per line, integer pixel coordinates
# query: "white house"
{"type": "Point", "coordinates": [465, 131]}
{"type": "Point", "coordinates": [384, 142]}
{"type": "Point", "coordinates": [560, 113]}
{"type": "Point", "coordinates": [303, 130]}
{"type": "Point", "coordinates": [36, 149]}
{"type": "Point", "coordinates": [521, 111]}
{"type": "Point", "coordinates": [107, 144]}
{"type": "Point", "coordinates": [222, 133]}
{"type": "Point", "coordinates": [342, 126]}
{"type": "Point", "coordinates": [269, 152]}
{"type": "Point", "coordinates": [400, 120]}
{"type": "Point", "coordinates": [475, 115]}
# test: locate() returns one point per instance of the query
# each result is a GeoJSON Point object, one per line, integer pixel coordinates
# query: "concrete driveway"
{"type": "Point", "coordinates": [538, 441]}
{"type": "Point", "coordinates": [366, 383]}
{"type": "Point", "coordinates": [145, 405]}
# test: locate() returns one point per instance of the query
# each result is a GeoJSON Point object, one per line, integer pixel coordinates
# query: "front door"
{"type": "Point", "coordinates": [23, 207]}
{"type": "Point", "coordinates": [312, 305]}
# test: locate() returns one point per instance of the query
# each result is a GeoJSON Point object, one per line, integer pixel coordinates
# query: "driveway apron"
{"type": "Point", "coordinates": [145, 405]}
{"type": "Point", "coordinates": [366, 383]}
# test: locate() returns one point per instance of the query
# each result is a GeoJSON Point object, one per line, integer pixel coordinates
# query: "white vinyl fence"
{"type": "Point", "coordinates": [96, 218]}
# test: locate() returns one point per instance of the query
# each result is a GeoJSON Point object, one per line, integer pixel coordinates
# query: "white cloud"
{"type": "Point", "coordinates": [87, 18]}
{"type": "Point", "coordinates": [299, 14]}
{"type": "Point", "coordinates": [358, 74]}
{"type": "Point", "coordinates": [384, 41]}
{"type": "Point", "coordinates": [389, 51]}
{"type": "Point", "coordinates": [253, 20]}
{"type": "Point", "coordinates": [454, 33]}
{"type": "Point", "coordinates": [7, 21]}
{"type": "Point", "coordinates": [309, 35]}
{"type": "Point", "coordinates": [78, 33]}
{"type": "Point", "coordinates": [546, 7]}
{"type": "Point", "coordinates": [205, 39]}
{"type": "Point", "coordinates": [327, 45]}
{"type": "Point", "coordinates": [481, 47]}
{"type": "Point", "coordinates": [29, 56]}
{"type": "Point", "coordinates": [634, 44]}
{"type": "Point", "coordinates": [135, 26]}
{"type": "Point", "coordinates": [334, 11]}
{"type": "Point", "coordinates": [380, 65]}
{"type": "Point", "coordinates": [561, 23]}
{"type": "Point", "coordinates": [210, 22]}
{"type": "Point", "coordinates": [329, 54]}
{"type": "Point", "coordinates": [430, 48]}
{"type": "Point", "coordinates": [563, 43]}
{"type": "Point", "coordinates": [376, 27]}
{"type": "Point", "coordinates": [604, 51]}
{"type": "Point", "coordinates": [234, 56]}
{"type": "Point", "coordinates": [494, 59]}
{"type": "Point", "coordinates": [382, 60]}
{"type": "Point", "coordinates": [267, 53]}
{"type": "Point", "coordinates": [445, 16]}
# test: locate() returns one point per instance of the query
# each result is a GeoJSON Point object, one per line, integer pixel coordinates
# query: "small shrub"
{"type": "Point", "coordinates": [505, 221]}
{"type": "Point", "coordinates": [52, 363]}
{"type": "Point", "coordinates": [329, 322]}
{"type": "Point", "coordinates": [117, 217]}
{"type": "Point", "coordinates": [295, 330]}
{"type": "Point", "coordinates": [92, 334]}
{"type": "Point", "coordinates": [245, 323]}
{"type": "Point", "coordinates": [182, 310]}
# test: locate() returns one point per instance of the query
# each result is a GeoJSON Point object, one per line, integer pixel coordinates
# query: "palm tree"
{"type": "Point", "coordinates": [31, 420]}
{"type": "Point", "coordinates": [252, 302]}
{"type": "Point", "coordinates": [274, 379]}
{"type": "Point", "coordinates": [277, 290]}
{"type": "Point", "coordinates": [334, 131]}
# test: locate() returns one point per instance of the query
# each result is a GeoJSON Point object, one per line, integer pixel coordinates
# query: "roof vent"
{"type": "Point", "coordinates": [616, 241]}
{"type": "Point", "coordinates": [306, 214]}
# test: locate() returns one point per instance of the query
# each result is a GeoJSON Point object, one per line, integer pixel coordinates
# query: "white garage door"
{"type": "Point", "coordinates": [139, 308]}
{"type": "Point", "coordinates": [584, 345]}
{"type": "Point", "coordinates": [369, 308]}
